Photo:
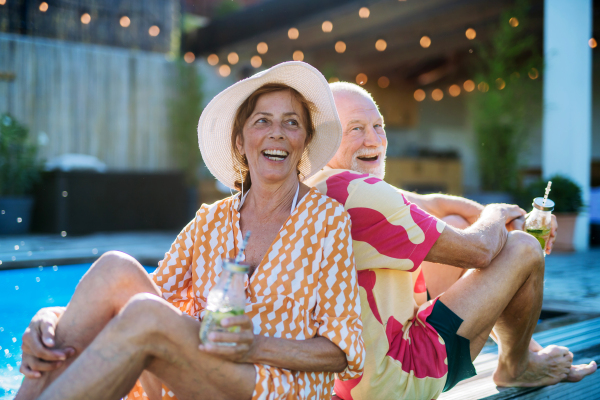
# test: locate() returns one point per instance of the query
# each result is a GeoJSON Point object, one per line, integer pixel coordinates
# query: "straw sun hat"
{"type": "Point", "coordinates": [216, 122]}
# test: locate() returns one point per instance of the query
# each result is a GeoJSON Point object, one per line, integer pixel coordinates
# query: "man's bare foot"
{"type": "Point", "coordinates": [547, 366]}
{"type": "Point", "coordinates": [578, 372]}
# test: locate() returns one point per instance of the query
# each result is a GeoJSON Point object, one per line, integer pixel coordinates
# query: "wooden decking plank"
{"type": "Point", "coordinates": [578, 337]}
{"type": "Point", "coordinates": [568, 330]}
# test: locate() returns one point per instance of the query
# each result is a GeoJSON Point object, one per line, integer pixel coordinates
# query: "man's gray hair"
{"type": "Point", "coordinates": [349, 87]}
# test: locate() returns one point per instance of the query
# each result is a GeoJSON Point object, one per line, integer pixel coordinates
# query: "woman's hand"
{"type": "Point", "coordinates": [37, 342]}
{"type": "Point", "coordinates": [245, 341]}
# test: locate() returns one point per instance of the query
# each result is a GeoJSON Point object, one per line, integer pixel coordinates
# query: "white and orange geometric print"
{"type": "Point", "coordinates": [305, 286]}
{"type": "Point", "coordinates": [406, 358]}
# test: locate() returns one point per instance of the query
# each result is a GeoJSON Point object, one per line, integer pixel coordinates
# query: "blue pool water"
{"type": "Point", "coordinates": [22, 293]}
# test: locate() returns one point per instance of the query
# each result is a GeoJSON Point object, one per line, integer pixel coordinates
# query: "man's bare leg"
{"type": "Point", "coordinates": [151, 334]}
{"type": "Point", "coordinates": [107, 286]}
{"type": "Point", "coordinates": [439, 277]}
{"type": "Point", "coordinates": [508, 295]}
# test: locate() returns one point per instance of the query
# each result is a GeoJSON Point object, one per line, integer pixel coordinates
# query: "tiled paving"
{"type": "Point", "coordinates": [34, 250]}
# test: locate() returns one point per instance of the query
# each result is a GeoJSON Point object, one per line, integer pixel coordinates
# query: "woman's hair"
{"type": "Point", "coordinates": [245, 111]}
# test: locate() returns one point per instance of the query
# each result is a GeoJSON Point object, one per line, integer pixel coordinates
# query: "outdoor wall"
{"type": "Point", "coordinates": [442, 126]}
{"type": "Point", "coordinates": [103, 101]}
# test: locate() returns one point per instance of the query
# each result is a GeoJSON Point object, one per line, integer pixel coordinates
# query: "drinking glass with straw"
{"type": "Point", "coordinates": [227, 298]}
{"type": "Point", "coordinates": [539, 220]}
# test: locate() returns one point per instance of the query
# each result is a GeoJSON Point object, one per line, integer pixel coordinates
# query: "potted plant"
{"type": "Point", "coordinates": [567, 197]}
{"type": "Point", "coordinates": [19, 170]}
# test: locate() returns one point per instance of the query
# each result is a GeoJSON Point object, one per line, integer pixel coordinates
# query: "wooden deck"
{"type": "Point", "coordinates": [582, 338]}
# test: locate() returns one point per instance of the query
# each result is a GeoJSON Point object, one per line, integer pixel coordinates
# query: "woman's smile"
{"type": "Point", "coordinates": [275, 155]}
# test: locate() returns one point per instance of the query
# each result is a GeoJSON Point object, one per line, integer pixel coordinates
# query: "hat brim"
{"type": "Point", "coordinates": [216, 122]}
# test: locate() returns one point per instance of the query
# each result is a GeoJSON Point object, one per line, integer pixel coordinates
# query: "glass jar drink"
{"type": "Point", "coordinates": [539, 220]}
{"type": "Point", "coordinates": [226, 299]}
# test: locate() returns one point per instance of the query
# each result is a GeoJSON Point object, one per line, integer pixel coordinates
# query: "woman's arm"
{"type": "Point", "coordinates": [311, 355]}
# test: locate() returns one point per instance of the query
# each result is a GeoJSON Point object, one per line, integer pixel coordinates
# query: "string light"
{"type": "Point", "coordinates": [298, 56]}
{"type": "Point", "coordinates": [470, 34]}
{"type": "Point", "coordinates": [425, 42]}
{"type": "Point", "coordinates": [437, 94]}
{"type": "Point", "coordinates": [592, 43]}
{"type": "Point", "coordinates": [43, 6]}
{"type": "Point", "coordinates": [469, 85]}
{"type": "Point", "coordinates": [233, 58]}
{"type": "Point", "coordinates": [364, 12]}
{"type": "Point", "coordinates": [454, 90]}
{"type": "Point", "coordinates": [533, 73]}
{"type": "Point", "coordinates": [125, 21]}
{"type": "Point", "coordinates": [419, 95]}
{"type": "Point", "coordinates": [361, 79]}
{"type": "Point", "coordinates": [256, 61]}
{"type": "Point", "coordinates": [340, 47]}
{"type": "Point", "coordinates": [513, 22]}
{"type": "Point", "coordinates": [189, 57]}
{"type": "Point", "coordinates": [383, 82]}
{"type": "Point", "coordinates": [327, 26]}
{"type": "Point", "coordinates": [262, 48]}
{"type": "Point", "coordinates": [154, 31]}
{"type": "Point", "coordinates": [293, 33]}
{"type": "Point", "coordinates": [500, 84]}
{"type": "Point", "coordinates": [213, 59]}
{"type": "Point", "coordinates": [224, 70]}
{"type": "Point", "coordinates": [2, 2]}
{"type": "Point", "coordinates": [85, 19]}
{"type": "Point", "coordinates": [483, 87]}
{"type": "Point", "coordinates": [381, 45]}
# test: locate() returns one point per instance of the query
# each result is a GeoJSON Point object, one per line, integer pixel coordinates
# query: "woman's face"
{"type": "Point", "coordinates": [273, 138]}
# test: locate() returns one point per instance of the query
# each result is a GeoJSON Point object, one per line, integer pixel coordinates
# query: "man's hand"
{"type": "Point", "coordinates": [508, 212]}
{"type": "Point", "coordinates": [245, 341]}
{"type": "Point", "coordinates": [37, 342]}
{"type": "Point", "coordinates": [552, 238]}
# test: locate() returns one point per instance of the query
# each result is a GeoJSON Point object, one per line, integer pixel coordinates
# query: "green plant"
{"type": "Point", "coordinates": [565, 193]}
{"type": "Point", "coordinates": [504, 104]}
{"type": "Point", "coordinates": [184, 110]}
{"type": "Point", "coordinates": [19, 166]}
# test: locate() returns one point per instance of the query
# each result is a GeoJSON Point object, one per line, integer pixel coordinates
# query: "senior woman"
{"type": "Point", "coordinates": [262, 136]}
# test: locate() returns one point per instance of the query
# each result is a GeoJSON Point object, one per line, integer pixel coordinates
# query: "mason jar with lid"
{"type": "Point", "coordinates": [226, 299]}
{"type": "Point", "coordinates": [539, 221]}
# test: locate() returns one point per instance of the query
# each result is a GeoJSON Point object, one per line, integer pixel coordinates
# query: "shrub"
{"type": "Point", "coordinates": [565, 193]}
{"type": "Point", "coordinates": [19, 167]}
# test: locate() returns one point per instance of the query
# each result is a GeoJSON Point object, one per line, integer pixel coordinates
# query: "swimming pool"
{"type": "Point", "coordinates": [22, 293]}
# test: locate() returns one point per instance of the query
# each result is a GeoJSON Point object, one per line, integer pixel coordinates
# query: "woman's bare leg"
{"type": "Point", "coordinates": [151, 334]}
{"type": "Point", "coordinates": [102, 292]}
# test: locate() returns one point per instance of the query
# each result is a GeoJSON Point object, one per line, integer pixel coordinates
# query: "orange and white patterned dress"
{"type": "Point", "coordinates": [305, 286]}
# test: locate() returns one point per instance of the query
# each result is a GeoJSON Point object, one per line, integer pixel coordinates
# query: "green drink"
{"type": "Point", "coordinates": [539, 221]}
{"type": "Point", "coordinates": [212, 322]}
{"type": "Point", "coordinates": [542, 235]}
{"type": "Point", "coordinates": [226, 299]}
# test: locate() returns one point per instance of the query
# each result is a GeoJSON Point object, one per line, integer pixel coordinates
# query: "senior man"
{"type": "Point", "coordinates": [416, 349]}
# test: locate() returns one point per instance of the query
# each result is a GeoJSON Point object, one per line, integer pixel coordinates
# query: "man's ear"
{"type": "Point", "coordinates": [239, 143]}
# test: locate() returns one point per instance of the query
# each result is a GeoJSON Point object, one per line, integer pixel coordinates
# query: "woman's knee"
{"type": "Point", "coordinates": [144, 314]}
{"type": "Point", "coordinates": [149, 320]}
{"type": "Point", "coordinates": [119, 269]}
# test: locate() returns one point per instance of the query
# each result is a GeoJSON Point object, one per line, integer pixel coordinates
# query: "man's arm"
{"type": "Point", "coordinates": [479, 244]}
{"type": "Point", "coordinates": [443, 205]}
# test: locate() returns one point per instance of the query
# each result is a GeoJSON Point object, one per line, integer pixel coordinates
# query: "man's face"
{"type": "Point", "coordinates": [363, 142]}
